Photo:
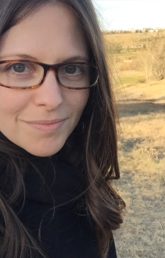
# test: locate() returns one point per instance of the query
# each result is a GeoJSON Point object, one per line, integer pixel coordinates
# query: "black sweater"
{"type": "Point", "coordinates": [67, 231]}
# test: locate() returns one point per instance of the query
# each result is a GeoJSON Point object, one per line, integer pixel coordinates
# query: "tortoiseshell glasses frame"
{"type": "Point", "coordinates": [87, 73]}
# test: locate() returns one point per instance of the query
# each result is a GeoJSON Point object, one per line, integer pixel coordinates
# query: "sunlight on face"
{"type": "Point", "coordinates": [40, 120]}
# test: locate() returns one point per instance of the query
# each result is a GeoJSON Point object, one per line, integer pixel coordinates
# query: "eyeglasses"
{"type": "Point", "coordinates": [24, 74]}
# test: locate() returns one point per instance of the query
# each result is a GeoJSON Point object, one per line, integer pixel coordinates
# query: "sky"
{"type": "Point", "coordinates": [130, 14]}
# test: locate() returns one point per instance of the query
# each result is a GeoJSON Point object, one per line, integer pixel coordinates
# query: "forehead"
{"type": "Point", "coordinates": [50, 31]}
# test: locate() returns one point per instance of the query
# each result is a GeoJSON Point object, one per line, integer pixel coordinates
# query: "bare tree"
{"type": "Point", "coordinates": [159, 60]}
{"type": "Point", "coordinates": [146, 61]}
{"type": "Point", "coordinates": [152, 60]}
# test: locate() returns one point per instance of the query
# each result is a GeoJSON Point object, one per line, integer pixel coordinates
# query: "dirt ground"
{"type": "Point", "coordinates": [142, 183]}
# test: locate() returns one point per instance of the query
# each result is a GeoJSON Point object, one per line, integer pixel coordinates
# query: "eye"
{"type": "Point", "coordinates": [72, 69]}
{"type": "Point", "coordinates": [19, 68]}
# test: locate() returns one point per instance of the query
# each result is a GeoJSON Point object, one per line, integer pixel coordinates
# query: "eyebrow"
{"type": "Point", "coordinates": [25, 56]}
{"type": "Point", "coordinates": [20, 56]}
{"type": "Point", "coordinates": [77, 58]}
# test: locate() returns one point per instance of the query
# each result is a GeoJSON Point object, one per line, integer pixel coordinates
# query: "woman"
{"type": "Point", "coordinates": [58, 137]}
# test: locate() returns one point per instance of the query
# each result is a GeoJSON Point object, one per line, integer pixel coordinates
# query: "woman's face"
{"type": "Point", "coordinates": [40, 120]}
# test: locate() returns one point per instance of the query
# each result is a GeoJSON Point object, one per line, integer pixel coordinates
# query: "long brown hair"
{"type": "Point", "coordinates": [98, 141]}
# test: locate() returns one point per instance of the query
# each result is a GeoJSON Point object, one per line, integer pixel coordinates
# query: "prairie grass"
{"type": "Point", "coordinates": [154, 93]}
{"type": "Point", "coordinates": [142, 161]}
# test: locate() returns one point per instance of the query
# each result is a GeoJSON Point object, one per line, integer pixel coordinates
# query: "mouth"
{"type": "Point", "coordinates": [46, 125]}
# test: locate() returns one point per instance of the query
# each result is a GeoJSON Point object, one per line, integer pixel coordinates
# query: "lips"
{"type": "Point", "coordinates": [46, 125]}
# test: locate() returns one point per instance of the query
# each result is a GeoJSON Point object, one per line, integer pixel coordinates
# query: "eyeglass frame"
{"type": "Point", "coordinates": [47, 67]}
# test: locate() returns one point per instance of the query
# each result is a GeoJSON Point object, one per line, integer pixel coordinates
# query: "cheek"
{"type": "Point", "coordinates": [78, 101]}
{"type": "Point", "coordinates": [11, 103]}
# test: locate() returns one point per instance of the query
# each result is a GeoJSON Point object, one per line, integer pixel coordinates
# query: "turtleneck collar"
{"type": "Point", "coordinates": [48, 180]}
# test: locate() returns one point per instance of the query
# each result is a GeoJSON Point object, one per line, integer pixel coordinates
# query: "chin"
{"type": "Point", "coordinates": [45, 151]}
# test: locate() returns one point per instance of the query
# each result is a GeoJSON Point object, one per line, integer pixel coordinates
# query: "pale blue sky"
{"type": "Point", "coordinates": [127, 14]}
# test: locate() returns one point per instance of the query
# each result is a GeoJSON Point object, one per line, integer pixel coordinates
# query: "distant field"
{"type": "Point", "coordinates": [127, 40]}
{"type": "Point", "coordinates": [128, 78]}
{"type": "Point", "coordinates": [128, 54]}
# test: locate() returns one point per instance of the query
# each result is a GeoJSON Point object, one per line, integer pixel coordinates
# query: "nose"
{"type": "Point", "coordinates": [49, 93]}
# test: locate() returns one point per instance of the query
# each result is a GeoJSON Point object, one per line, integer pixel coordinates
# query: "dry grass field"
{"type": "Point", "coordinates": [142, 163]}
{"type": "Point", "coordinates": [142, 183]}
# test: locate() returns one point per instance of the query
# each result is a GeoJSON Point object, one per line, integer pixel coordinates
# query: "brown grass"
{"type": "Point", "coordinates": [142, 185]}
{"type": "Point", "coordinates": [139, 91]}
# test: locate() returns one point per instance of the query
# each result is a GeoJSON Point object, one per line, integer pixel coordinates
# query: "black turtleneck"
{"type": "Point", "coordinates": [54, 207]}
